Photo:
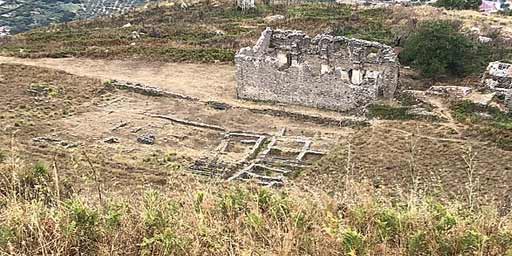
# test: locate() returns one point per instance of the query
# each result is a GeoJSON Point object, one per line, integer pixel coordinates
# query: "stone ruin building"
{"type": "Point", "coordinates": [245, 4]}
{"type": "Point", "coordinates": [498, 78]}
{"type": "Point", "coordinates": [330, 72]}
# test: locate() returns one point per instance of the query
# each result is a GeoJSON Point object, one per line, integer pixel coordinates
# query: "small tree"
{"type": "Point", "coordinates": [436, 48]}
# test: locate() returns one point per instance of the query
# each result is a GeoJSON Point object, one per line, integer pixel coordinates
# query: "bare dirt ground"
{"type": "Point", "coordinates": [197, 80]}
{"type": "Point", "coordinates": [72, 124]}
{"type": "Point", "coordinates": [204, 81]}
{"type": "Point", "coordinates": [61, 117]}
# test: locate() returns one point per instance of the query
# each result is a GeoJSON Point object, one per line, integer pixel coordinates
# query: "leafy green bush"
{"type": "Point", "coordinates": [436, 48]}
{"type": "Point", "coordinates": [417, 244]}
{"type": "Point", "coordinates": [5, 235]}
{"type": "Point", "coordinates": [459, 4]}
{"type": "Point", "coordinates": [473, 242]}
{"type": "Point", "coordinates": [353, 242]}
{"type": "Point", "coordinates": [84, 225]}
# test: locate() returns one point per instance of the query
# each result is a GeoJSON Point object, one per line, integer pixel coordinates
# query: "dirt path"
{"type": "Point", "coordinates": [197, 80]}
{"type": "Point", "coordinates": [203, 81]}
{"type": "Point", "coordinates": [443, 111]}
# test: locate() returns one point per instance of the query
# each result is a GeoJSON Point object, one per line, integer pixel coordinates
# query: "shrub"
{"type": "Point", "coordinates": [436, 48]}
{"type": "Point", "coordinates": [353, 242]}
{"type": "Point", "coordinates": [36, 183]}
{"type": "Point", "coordinates": [459, 4]}
{"type": "Point", "coordinates": [473, 241]}
{"type": "Point", "coordinates": [84, 225]}
{"type": "Point", "coordinates": [5, 235]}
{"type": "Point", "coordinates": [164, 243]}
{"type": "Point", "coordinates": [418, 244]}
{"type": "Point", "coordinates": [388, 224]}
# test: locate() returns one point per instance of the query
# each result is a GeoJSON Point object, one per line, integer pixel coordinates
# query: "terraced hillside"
{"type": "Point", "coordinates": [22, 15]}
{"type": "Point", "coordinates": [204, 33]}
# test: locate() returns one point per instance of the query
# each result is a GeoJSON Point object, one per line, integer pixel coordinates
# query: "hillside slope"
{"type": "Point", "coordinates": [22, 15]}
{"type": "Point", "coordinates": [204, 33]}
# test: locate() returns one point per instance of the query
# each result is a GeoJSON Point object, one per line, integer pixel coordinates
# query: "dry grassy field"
{"type": "Point", "coordinates": [124, 136]}
{"type": "Point", "coordinates": [395, 155]}
{"type": "Point", "coordinates": [378, 191]}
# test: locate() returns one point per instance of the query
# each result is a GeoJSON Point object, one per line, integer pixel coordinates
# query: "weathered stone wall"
{"type": "Point", "coordinates": [498, 78]}
{"type": "Point", "coordinates": [329, 72]}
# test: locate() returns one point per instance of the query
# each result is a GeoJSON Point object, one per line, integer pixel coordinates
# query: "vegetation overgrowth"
{"type": "Point", "coordinates": [39, 215]}
{"type": "Point", "coordinates": [204, 33]}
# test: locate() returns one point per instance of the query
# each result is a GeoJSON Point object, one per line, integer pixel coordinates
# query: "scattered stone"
{"type": "Point", "coordinates": [483, 99]}
{"type": "Point", "coordinates": [184, 5]}
{"type": "Point", "coordinates": [148, 90]}
{"type": "Point", "coordinates": [326, 71]}
{"type": "Point", "coordinates": [127, 25]}
{"type": "Point", "coordinates": [70, 145]}
{"type": "Point", "coordinates": [484, 40]}
{"type": "Point", "coordinates": [420, 112]}
{"type": "Point", "coordinates": [135, 35]}
{"type": "Point", "coordinates": [498, 75]}
{"type": "Point", "coordinates": [46, 139]}
{"type": "Point", "coordinates": [274, 18]}
{"type": "Point", "coordinates": [148, 139]}
{"type": "Point", "coordinates": [475, 30]}
{"type": "Point", "coordinates": [485, 115]}
{"type": "Point", "coordinates": [111, 140]}
{"type": "Point", "coordinates": [498, 79]}
{"type": "Point", "coordinates": [218, 105]}
{"type": "Point", "coordinates": [119, 126]}
{"type": "Point", "coordinates": [5, 31]}
{"type": "Point", "coordinates": [456, 91]}
{"type": "Point", "coordinates": [190, 123]}
{"type": "Point", "coordinates": [489, 6]}
{"type": "Point", "coordinates": [55, 141]}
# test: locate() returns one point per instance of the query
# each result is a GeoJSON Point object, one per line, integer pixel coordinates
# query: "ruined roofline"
{"type": "Point", "coordinates": [506, 62]}
{"type": "Point", "coordinates": [264, 43]}
{"type": "Point", "coordinates": [499, 69]}
{"type": "Point", "coordinates": [361, 42]}
{"type": "Point", "coordinates": [329, 72]}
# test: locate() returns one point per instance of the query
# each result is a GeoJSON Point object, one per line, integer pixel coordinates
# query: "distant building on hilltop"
{"type": "Point", "coordinates": [491, 6]}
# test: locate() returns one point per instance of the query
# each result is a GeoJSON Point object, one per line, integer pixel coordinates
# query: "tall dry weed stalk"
{"type": "Point", "coordinates": [470, 160]}
{"type": "Point", "coordinates": [411, 161]}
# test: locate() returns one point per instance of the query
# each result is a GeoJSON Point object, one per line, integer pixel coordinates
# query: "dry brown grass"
{"type": "Point", "coordinates": [147, 209]}
{"type": "Point", "coordinates": [195, 218]}
{"type": "Point", "coordinates": [399, 157]}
